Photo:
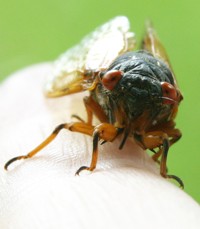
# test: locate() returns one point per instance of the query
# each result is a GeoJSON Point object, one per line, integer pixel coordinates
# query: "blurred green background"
{"type": "Point", "coordinates": [39, 30]}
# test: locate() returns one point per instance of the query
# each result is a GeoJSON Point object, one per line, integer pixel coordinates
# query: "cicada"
{"type": "Point", "coordinates": [132, 93]}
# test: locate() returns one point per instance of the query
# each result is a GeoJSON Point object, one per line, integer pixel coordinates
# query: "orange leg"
{"type": "Point", "coordinates": [92, 108]}
{"type": "Point", "coordinates": [156, 156]}
{"type": "Point", "coordinates": [160, 139]}
{"type": "Point", "coordinates": [94, 155]}
{"type": "Point", "coordinates": [103, 131]}
{"type": "Point", "coordinates": [173, 135]}
{"type": "Point", "coordinates": [169, 128]}
{"type": "Point", "coordinates": [79, 127]}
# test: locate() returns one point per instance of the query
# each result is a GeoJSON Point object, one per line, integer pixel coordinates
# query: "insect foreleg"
{"type": "Point", "coordinates": [78, 127]}
{"type": "Point", "coordinates": [104, 131]}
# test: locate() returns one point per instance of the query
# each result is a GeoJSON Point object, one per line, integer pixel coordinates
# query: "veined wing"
{"type": "Point", "coordinates": [94, 53]}
{"type": "Point", "coordinates": [152, 44]}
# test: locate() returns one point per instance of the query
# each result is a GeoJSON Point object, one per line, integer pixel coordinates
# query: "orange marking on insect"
{"type": "Point", "coordinates": [169, 93]}
{"type": "Point", "coordinates": [111, 78]}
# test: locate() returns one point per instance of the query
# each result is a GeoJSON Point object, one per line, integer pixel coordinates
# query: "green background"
{"type": "Point", "coordinates": [39, 30]}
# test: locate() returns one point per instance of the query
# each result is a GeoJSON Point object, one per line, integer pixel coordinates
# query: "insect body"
{"type": "Point", "coordinates": [133, 94]}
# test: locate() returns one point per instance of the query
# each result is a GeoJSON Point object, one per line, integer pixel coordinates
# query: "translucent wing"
{"type": "Point", "coordinates": [94, 53]}
{"type": "Point", "coordinates": [152, 44]}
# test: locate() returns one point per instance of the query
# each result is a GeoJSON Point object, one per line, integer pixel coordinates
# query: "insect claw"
{"type": "Point", "coordinates": [181, 184]}
{"type": "Point", "coordinates": [103, 142]}
{"type": "Point", "coordinates": [12, 160]}
{"type": "Point", "coordinates": [81, 169]}
{"type": "Point", "coordinates": [152, 150]}
{"type": "Point", "coordinates": [77, 117]}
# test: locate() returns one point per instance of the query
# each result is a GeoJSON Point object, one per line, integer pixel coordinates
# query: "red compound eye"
{"type": "Point", "coordinates": [169, 93]}
{"type": "Point", "coordinates": [111, 78]}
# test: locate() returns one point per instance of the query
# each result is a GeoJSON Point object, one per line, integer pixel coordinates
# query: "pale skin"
{"type": "Point", "coordinates": [124, 191]}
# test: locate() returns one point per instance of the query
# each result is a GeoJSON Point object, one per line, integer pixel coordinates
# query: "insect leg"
{"type": "Point", "coordinates": [174, 135]}
{"type": "Point", "coordinates": [94, 155]}
{"type": "Point", "coordinates": [160, 139]}
{"type": "Point", "coordinates": [79, 127]}
{"type": "Point", "coordinates": [103, 131]}
{"type": "Point", "coordinates": [92, 107]}
{"type": "Point", "coordinates": [77, 117]}
{"type": "Point", "coordinates": [156, 156]}
{"type": "Point", "coordinates": [163, 162]}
